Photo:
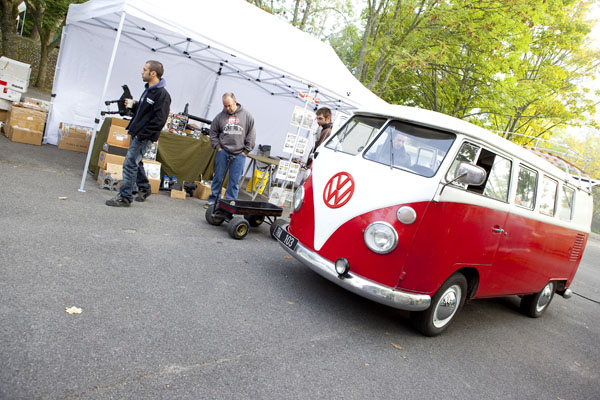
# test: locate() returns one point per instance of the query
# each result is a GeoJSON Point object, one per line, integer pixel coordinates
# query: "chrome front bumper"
{"type": "Point", "coordinates": [357, 284]}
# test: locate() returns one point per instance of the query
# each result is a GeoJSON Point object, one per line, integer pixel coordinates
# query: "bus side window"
{"type": "Point", "coordinates": [565, 211]}
{"type": "Point", "coordinates": [497, 170]}
{"type": "Point", "coordinates": [548, 196]}
{"type": "Point", "coordinates": [498, 179]}
{"type": "Point", "coordinates": [526, 188]}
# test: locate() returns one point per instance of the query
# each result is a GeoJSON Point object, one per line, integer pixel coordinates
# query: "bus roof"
{"type": "Point", "coordinates": [445, 122]}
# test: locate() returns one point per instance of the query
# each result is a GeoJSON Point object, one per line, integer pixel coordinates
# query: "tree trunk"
{"type": "Point", "coordinates": [40, 81]}
{"type": "Point", "coordinates": [8, 25]}
{"type": "Point", "coordinates": [305, 15]}
{"type": "Point", "coordinates": [295, 16]}
{"type": "Point", "coordinates": [372, 15]}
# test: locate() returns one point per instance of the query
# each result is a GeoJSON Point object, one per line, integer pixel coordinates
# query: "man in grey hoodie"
{"type": "Point", "coordinates": [231, 134]}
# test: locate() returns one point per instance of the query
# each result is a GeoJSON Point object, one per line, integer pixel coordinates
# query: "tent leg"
{"type": "Point", "coordinates": [98, 115]}
{"type": "Point", "coordinates": [212, 95]}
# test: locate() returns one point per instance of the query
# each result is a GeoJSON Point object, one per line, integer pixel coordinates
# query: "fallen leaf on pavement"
{"type": "Point", "coordinates": [63, 198]}
{"type": "Point", "coordinates": [73, 310]}
{"type": "Point", "coordinates": [397, 347]}
{"type": "Point", "coordinates": [288, 257]}
{"type": "Point", "coordinates": [291, 303]}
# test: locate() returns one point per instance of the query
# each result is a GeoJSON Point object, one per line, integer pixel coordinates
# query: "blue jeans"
{"type": "Point", "coordinates": [133, 168]}
{"type": "Point", "coordinates": [235, 172]}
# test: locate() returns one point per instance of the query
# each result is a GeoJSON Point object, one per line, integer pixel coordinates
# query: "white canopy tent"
{"type": "Point", "coordinates": [208, 48]}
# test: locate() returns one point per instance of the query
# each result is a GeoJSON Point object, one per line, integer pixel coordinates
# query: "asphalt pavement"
{"type": "Point", "coordinates": [173, 308]}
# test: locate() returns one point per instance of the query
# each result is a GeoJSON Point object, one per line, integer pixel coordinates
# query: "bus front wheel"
{"type": "Point", "coordinates": [445, 305]}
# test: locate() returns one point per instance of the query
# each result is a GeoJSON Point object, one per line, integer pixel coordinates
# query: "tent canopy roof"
{"type": "Point", "coordinates": [242, 38]}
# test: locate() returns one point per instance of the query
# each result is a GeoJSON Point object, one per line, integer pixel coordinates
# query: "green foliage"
{"type": "Point", "coordinates": [317, 17]}
{"type": "Point", "coordinates": [511, 65]}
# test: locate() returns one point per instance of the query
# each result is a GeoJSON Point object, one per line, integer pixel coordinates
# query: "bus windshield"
{"type": "Point", "coordinates": [354, 136]}
{"type": "Point", "coordinates": [412, 148]}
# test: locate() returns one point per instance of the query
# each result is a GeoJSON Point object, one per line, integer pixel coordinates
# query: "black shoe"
{"type": "Point", "coordinates": [118, 202]}
{"type": "Point", "coordinates": [142, 196]}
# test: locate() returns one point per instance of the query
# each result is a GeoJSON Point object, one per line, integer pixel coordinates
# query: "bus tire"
{"type": "Point", "coordinates": [445, 305]}
{"type": "Point", "coordinates": [534, 305]}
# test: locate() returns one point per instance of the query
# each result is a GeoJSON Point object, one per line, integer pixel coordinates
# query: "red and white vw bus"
{"type": "Point", "coordinates": [421, 211]}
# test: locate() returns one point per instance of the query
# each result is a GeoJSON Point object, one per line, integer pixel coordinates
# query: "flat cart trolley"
{"type": "Point", "coordinates": [254, 213]}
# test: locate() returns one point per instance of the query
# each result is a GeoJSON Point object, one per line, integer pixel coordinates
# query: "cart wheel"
{"type": "Point", "coordinates": [238, 228]}
{"type": "Point", "coordinates": [254, 220]}
{"type": "Point", "coordinates": [274, 225]}
{"type": "Point", "coordinates": [213, 219]}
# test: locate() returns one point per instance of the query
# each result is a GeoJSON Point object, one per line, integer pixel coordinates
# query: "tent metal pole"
{"type": "Point", "coordinates": [98, 115]}
{"type": "Point", "coordinates": [211, 96]}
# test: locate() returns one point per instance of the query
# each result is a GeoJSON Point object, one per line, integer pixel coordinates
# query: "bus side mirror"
{"type": "Point", "coordinates": [467, 174]}
{"type": "Point", "coordinates": [470, 174]}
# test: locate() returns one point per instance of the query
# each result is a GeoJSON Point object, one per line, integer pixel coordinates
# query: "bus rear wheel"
{"type": "Point", "coordinates": [445, 305]}
{"type": "Point", "coordinates": [534, 305]}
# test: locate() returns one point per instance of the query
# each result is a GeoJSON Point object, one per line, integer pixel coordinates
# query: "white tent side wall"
{"type": "Point", "coordinates": [185, 36]}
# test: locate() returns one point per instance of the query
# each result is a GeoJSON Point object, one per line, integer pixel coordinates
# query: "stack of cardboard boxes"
{"type": "Point", "coordinates": [112, 157]}
{"type": "Point", "coordinates": [26, 120]}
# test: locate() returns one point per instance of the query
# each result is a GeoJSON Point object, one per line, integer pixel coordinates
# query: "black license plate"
{"type": "Point", "coordinates": [287, 239]}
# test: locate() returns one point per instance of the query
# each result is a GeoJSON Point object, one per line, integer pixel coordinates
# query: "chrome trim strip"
{"type": "Point", "coordinates": [357, 284]}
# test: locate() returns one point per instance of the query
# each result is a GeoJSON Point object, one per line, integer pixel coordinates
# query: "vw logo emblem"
{"type": "Point", "coordinates": [338, 190]}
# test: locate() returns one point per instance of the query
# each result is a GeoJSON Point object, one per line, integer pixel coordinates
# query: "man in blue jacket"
{"type": "Point", "coordinates": [151, 113]}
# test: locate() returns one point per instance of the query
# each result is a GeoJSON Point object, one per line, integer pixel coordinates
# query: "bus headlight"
{"type": "Point", "coordinates": [380, 237]}
{"type": "Point", "coordinates": [298, 198]}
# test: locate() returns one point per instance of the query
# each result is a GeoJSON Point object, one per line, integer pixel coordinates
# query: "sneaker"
{"type": "Point", "coordinates": [118, 201]}
{"type": "Point", "coordinates": [142, 196]}
{"type": "Point", "coordinates": [210, 203]}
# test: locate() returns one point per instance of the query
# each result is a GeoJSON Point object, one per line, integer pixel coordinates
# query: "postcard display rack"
{"type": "Point", "coordinates": [296, 145]}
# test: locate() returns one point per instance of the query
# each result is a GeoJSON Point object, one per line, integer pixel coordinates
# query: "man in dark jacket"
{"type": "Point", "coordinates": [231, 134]}
{"type": "Point", "coordinates": [151, 113]}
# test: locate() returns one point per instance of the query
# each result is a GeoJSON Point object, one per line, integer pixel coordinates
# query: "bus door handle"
{"type": "Point", "coordinates": [497, 229]}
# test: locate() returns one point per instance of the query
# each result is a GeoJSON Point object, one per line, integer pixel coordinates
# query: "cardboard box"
{"type": "Point", "coordinates": [118, 136]}
{"type": "Point", "coordinates": [202, 190]}
{"type": "Point", "coordinates": [73, 144]}
{"type": "Point", "coordinates": [115, 170]}
{"type": "Point", "coordinates": [152, 169]}
{"type": "Point", "coordinates": [106, 158]}
{"type": "Point", "coordinates": [74, 137]}
{"type": "Point", "coordinates": [3, 115]}
{"type": "Point", "coordinates": [35, 104]}
{"type": "Point", "coordinates": [123, 123]}
{"type": "Point", "coordinates": [178, 194]}
{"type": "Point", "coordinates": [26, 118]}
{"type": "Point", "coordinates": [22, 135]}
{"type": "Point", "coordinates": [154, 185]}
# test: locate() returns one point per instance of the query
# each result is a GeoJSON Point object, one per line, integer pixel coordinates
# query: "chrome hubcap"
{"type": "Point", "coordinates": [447, 305]}
{"type": "Point", "coordinates": [545, 297]}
